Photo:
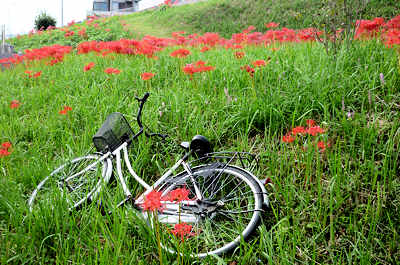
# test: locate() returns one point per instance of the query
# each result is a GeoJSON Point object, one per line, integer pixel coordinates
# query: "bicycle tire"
{"type": "Point", "coordinates": [83, 187]}
{"type": "Point", "coordinates": [217, 182]}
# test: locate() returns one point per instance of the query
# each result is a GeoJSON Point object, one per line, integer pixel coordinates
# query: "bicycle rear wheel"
{"type": "Point", "coordinates": [75, 182]}
{"type": "Point", "coordinates": [229, 211]}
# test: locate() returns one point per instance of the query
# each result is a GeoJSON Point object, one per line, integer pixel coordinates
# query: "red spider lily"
{"type": "Point", "coordinates": [248, 69]}
{"type": "Point", "coordinates": [288, 138]}
{"type": "Point", "coordinates": [146, 76]}
{"type": "Point", "coordinates": [239, 55]}
{"type": "Point", "coordinates": [310, 123]}
{"type": "Point", "coordinates": [183, 230]}
{"type": "Point", "coordinates": [298, 130]}
{"type": "Point", "coordinates": [4, 152]}
{"type": "Point", "coordinates": [4, 149]}
{"type": "Point", "coordinates": [180, 53]}
{"type": "Point", "coordinates": [82, 32]}
{"type": "Point", "coordinates": [15, 104]}
{"type": "Point", "coordinates": [271, 25]}
{"type": "Point", "coordinates": [29, 73]}
{"type": "Point", "coordinates": [112, 71]}
{"type": "Point", "coordinates": [65, 110]}
{"type": "Point", "coordinates": [178, 195]}
{"type": "Point", "coordinates": [321, 145]}
{"type": "Point", "coordinates": [88, 66]}
{"type": "Point", "coordinates": [315, 130]}
{"type": "Point", "coordinates": [204, 49]}
{"type": "Point", "coordinates": [6, 145]}
{"type": "Point", "coordinates": [69, 34]}
{"type": "Point", "coordinates": [259, 63]}
{"type": "Point", "coordinates": [152, 201]}
{"type": "Point", "coordinates": [37, 74]}
{"type": "Point", "coordinates": [197, 67]}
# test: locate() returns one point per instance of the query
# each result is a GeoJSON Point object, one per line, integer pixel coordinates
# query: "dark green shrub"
{"type": "Point", "coordinates": [43, 21]}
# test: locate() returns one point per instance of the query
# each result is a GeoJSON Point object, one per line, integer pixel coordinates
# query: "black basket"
{"type": "Point", "coordinates": [114, 131]}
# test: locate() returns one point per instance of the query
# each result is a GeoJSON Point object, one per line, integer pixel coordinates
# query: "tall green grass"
{"type": "Point", "coordinates": [337, 206]}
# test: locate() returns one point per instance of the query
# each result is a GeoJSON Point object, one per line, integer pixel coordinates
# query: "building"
{"type": "Point", "coordinates": [113, 5]}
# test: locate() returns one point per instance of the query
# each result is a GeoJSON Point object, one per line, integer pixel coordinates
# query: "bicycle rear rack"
{"type": "Point", "coordinates": [244, 160]}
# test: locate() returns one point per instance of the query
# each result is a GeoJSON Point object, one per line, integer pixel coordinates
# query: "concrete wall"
{"type": "Point", "coordinates": [145, 4]}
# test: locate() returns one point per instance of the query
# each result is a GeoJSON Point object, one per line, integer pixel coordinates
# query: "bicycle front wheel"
{"type": "Point", "coordinates": [75, 182]}
{"type": "Point", "coordinates": [228, 211]}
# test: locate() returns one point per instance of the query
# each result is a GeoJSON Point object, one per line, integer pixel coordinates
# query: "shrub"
{"type": "Point", "coordinates": [43, 21]}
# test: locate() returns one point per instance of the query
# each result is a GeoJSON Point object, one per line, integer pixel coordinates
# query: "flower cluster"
{"type": "Point", "coordinates": [88, 66]}
{"type": "Point", "coordinates": [180, 53]}
{"type": "Point", "coordinates": [197, 67]}
{"type": "Point", "coordinates": [14, 104]}
{"type": "Point", "coordinates": [152, 201]}
{"type": "Point", "coordinates": [312, 129]}
{"type": "Point", "coordinates": [147, 76]}
{"type": "Point", "coordinates": [31, 74]}
{"type": "Point", "coordinates": [54, 52]}
{"type": "Point", "coordinates": [5, 149]}
{"type": "Point", "coordinates": [111, 70]}
{"type": "Point", "coordinates": [248, 69]}
{"type": "Point", "coordinates": [65, 110]}
{"type": "Point", "coordinates": [182, 231]}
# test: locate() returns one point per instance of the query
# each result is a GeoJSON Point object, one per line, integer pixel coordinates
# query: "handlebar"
{"type": "Point", "coordinates": [139, 117]}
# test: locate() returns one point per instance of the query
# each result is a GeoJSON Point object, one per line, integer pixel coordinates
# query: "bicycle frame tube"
{"type": "Point", "coordinates": [117, 154]}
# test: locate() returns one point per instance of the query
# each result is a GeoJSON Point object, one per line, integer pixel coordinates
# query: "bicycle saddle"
{"type": "Point", "coordinates": [200, 145]}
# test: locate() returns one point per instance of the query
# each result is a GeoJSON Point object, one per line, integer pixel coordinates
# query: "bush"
{"type": "Point", "coordinates": [43, 21]}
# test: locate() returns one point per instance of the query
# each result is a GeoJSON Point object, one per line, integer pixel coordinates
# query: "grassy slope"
{"type": "Point", "coordinates": [231, 16]}
{"type": "Point", "coordinates": [339, 206]}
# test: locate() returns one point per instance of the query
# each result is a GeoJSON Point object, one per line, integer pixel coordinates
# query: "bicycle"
{"type": "Point", "coordinates": [226, 200]}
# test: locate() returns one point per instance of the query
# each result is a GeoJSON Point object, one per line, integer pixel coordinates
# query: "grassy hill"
{"type": "Point", "coordinates": [324, 126]}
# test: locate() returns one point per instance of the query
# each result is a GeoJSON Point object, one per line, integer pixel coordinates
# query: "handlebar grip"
{"type": "Point", "coordinates": [146, 95]}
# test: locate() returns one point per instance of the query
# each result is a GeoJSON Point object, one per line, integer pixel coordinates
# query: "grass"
{"type": "Point", "coordinates": [338, 206]}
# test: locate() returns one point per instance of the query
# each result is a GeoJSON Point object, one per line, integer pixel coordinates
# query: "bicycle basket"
{"type": "Point", "coordinates": [114, 131]}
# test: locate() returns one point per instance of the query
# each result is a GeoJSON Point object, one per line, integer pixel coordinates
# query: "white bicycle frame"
{"type": "Point", "coordinates": [170, 212]}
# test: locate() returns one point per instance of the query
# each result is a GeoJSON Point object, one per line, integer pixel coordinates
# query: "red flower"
{"type": "Point", "coordinates": [4, 149]}
{"type": "Point", "coordinates": [239, 55]}
{"type": "Point", "coordinates": [321, 145]}
{"type": "Point", "coordinates": [178, 195]}
{"type": "Point", "coordinates": [6, 145]}
{"type": "Point", "coordinates": [298, 130]}
{"type": "Point", "coordinates": [259, 63]}
{"type": "Point", "coordinates": [248, 69]}
{"type": "Point", "coordinates": [65, 110]}
{"type": "Point", "coordinates": [147, 76]}
{"type": "Point", "coordinates": [204, 49]}
{"type": "Point", "coordinates": [29, 73]}
{"type": "Point", "coordinates": [14, 104]}
{"type": "Point", "coordinates": [310, 123]}
{"type": "Point", "coordinates": [112, 71]}
{"type": "Point", "coordinates": [152, 201]}
{"type": "Point", "coordinates": [88, 66]}
{"type": "Point", "coordinates": [271, 25]}
{"type": "Point", "coordinates": [37, 74]}
{"type": "Point", "coordinates": [4, 152]}
{"type": "Point", "coordinates": [288, 139]}
{"type": "Point", "coordinates": [183, 230]}
{"type": "Point", "coordinates": [315, 130]}
{"type": "Point", "coordinates": [180, 53]}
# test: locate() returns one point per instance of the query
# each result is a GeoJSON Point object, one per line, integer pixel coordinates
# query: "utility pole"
{"type": "Point", "coordinates": [62, 13]}
{"type": "Point", "coordinates": [3, 35]}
